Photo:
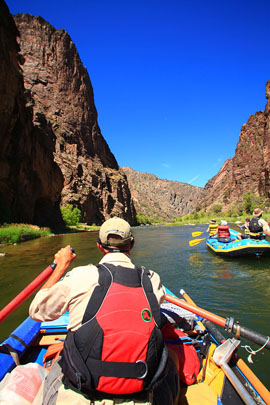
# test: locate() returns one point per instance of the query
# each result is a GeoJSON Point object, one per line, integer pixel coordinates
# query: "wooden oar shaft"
{"type": "Point", "coordinates": [197, 310]}
{"type": "Point", "coordinates": [187, 297]}
{"type": "Point", "coordinates": [190, 301]}
{"type": "Point", "coordinates": [253, 379]}
{"type": "Point", "coordinates": [24, 294]}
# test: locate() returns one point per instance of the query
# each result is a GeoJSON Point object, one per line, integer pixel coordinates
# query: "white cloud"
{"type": "Point", "coordinates": [217, 162]}
{"type": "Point", "coordinates": [193, 179]}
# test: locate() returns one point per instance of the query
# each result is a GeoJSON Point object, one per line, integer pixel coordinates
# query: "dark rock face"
{"type": "Point", "coordinates": [30, 180]}
{"type": "Point", "coordinates": [161, 199]}
{"type": "Point", "coordinates": [51, 148]}
{"type": "Point", "coordinates": [249, 169]}
{"type": "Point", "coordinates": [62, 99]}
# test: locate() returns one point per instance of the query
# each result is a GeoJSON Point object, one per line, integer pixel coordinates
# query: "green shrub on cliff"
{"type": "Point", "coordinates": [70, 215]}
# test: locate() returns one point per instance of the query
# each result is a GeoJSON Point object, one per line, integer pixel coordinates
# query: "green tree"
{"type": "Point", "coordinates": [70, 215]}
{"type": "Point", "coordinates": [217, 208]}
{"type": "Point", "coordinates": [249, 201]}
{"type": "Point", "coordinates": [142, 219]}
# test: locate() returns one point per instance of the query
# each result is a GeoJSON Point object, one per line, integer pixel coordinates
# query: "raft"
{"type": "Point", "coordinates": [222, 377]}
{"type": "Point", "coordinates": [237, 248]}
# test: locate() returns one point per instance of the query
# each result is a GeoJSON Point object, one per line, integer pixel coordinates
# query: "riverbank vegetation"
{"type": "Point", "coordinates": [16, 233]}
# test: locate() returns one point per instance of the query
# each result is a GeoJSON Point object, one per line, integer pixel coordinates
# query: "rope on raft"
{"type": "Point", "coordinates": [254, 352]}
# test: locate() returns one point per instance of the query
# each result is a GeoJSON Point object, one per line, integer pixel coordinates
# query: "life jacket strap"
{"type": "Point", "coordinates": [137, 370]}
{"type": "Point", "coordinates": [255, 233]}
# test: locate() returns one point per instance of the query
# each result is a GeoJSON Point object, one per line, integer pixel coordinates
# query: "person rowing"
{"type": "Point", "coordinates": [114, 351]}
{"type": "Point", "coordinates": [245, 227]}
{"type": "Point", "coordinates": [258, 227]}
{"type": "Point", "coordinates": [212, 228]}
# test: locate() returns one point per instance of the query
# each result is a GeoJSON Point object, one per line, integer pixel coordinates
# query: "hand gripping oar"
{"type": "Point", "coordinates": [27, 291]}
{"type": "Point", "coordinates": [195, 241]}
{"type": "Point", "coordinates": [228, 324]}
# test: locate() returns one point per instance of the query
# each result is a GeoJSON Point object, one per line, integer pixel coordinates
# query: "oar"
{"type": "Point", "coordinates": [257, 384]}
{"type": "Point", "coordinates": [195, 241]}
{"type": "Point", "coordinates": [27, 291]}
{"type": "Point", "coordinates": [228, 324]}
{"type": "Point", "coordinates": [195, 234]}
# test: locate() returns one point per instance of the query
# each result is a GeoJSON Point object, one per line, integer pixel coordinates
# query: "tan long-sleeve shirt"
{"type": "Point", "coordinates": [73, 292]}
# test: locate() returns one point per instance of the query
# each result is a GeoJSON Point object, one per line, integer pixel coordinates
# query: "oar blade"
{"type": "Point", "coordinates": [195, 234]}
{"type": "Point", "coordinates": [195, 241]}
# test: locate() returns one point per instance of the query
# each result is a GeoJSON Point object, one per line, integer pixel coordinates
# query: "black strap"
{"type": "Point", "coordinates": [142, 396]}
{"type": "Point", "coordinates": [117, 369]}
{"type": "Point", "coordinates": [19, 339]}
{"type": "Point", "coordinates": [95, 330]}
{"type": "Point", "coordinates": [99, 293]}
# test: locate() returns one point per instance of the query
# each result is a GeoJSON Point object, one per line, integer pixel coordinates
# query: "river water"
{"type": "Point", "coordinates": [238, 287]}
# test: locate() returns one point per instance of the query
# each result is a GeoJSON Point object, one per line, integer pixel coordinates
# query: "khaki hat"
{"type": "Point", "coordinates": [115, 226]}
{"type": "Point", "coordinates": [257, 212]}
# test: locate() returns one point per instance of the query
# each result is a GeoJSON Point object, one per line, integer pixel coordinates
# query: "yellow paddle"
{"type": "Point", "coordinates": [194, 234]}
{"type": "Point", "coordinates": [195, 241]}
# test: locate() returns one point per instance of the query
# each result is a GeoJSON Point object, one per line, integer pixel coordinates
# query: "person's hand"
{"type": "Point", "coordinates": [64, 257]}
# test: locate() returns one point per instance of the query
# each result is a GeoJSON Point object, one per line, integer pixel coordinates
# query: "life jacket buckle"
{"type": "Point", "coordinates": [79, 383]}
{"type": "Point", "coordinates": [146, 369]}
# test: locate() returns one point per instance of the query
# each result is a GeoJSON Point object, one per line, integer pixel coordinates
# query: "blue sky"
{"type": "Point", "coordinates": [173, 81]}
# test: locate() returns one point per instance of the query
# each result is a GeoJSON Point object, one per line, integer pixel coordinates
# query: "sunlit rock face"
{"type": "Point", "coordinates": [249, 169]}
{"type": "Point", "coordinates": [60, 94]}
{"type": "Point", "coordinates": [159, 198]}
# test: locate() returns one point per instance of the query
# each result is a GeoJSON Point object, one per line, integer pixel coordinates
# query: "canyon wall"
{"type": "Point", "coordinates": [30, 180]}
{"type": "Point", "coordinates": [52, 151]}
{"type": "Point", "coordinates": [62, 99]}
{"type": "Point", "coordinates": [249, 169]}
{"type": "Point", "coordinates": [159, 198]}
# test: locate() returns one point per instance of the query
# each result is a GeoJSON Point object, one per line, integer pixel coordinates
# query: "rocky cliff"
{"type": "Point", "coordinates": [30, 180]}
{"type": "Point", "coordinates": [62, 97]}
{"type": "Point", "coordinates": [58, 97]}
{"type": "Point", "coordinates": [249, 169]}
{"type": "Point", "coordinates": [161, 199]}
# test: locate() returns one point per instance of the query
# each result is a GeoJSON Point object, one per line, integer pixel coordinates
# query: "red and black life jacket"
{"type": "Point", "coordinates": [223, 231]}
{"type": "Point", "coordinates": [119, 349]}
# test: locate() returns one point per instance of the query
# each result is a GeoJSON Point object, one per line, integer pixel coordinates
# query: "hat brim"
{"type": "Point", "coordinates": [258, 214]}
